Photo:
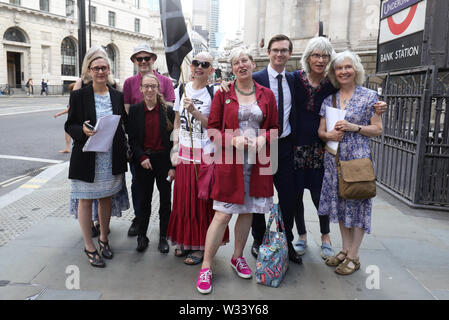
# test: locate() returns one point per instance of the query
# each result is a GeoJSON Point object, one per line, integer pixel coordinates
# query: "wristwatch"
{"type": "Point", "coordinates": [360, 128]}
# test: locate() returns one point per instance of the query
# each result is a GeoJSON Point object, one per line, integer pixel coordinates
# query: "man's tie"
{"type": "Point", "coordinates": [280, 104]}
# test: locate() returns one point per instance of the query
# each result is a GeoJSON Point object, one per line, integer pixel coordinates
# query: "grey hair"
{"type": "Point", "coordinates": [237, 52]}
{"type": "Point", "coordinates": [92, 54]}
{"type": "Point", "coordinates": [356, 64]}
{"type": "Point", "coordinates": [204, 55]}
{"type": "Point", "coordinates": [317, 44]}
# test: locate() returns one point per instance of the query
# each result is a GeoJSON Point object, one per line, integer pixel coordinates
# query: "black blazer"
{"type": "Point", "coordinates": [262, 78]}
{"type": "Point", "coordinates": [136, 130]}
{"type": "Point", "coordinates": [82, 108]}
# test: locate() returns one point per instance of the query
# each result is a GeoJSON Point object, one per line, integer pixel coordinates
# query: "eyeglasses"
{"type": "Point", "coordinates": [203, 64]}
{"type": "Point", "coordinates": [277, 51]}
{"type": "Point", "coordinates": [148, 86]}
{"type": "Point", "coordinates": [98, 69]}
{"type": "Point", "coordinates": [140, 59]}
{"type": "Point", "coordinates": [317, 56]}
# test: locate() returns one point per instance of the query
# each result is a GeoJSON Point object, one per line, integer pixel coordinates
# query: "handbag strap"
{"type": "Point", "coordinates": [275, 213]}
{"type": "Point", "coordinates": [337, 160]}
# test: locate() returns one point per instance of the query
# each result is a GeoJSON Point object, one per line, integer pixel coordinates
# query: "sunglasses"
{"type": "Point", "coordinates": [140, 59]}
{"type": "Point", "coordinates": [203, 64]}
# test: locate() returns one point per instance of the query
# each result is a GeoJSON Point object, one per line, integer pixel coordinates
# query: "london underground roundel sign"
{"type": "Point", "coordinates": [405, 22]}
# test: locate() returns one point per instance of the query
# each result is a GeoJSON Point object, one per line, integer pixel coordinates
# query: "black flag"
{"type": "Point", "coordinates": [176, 39]}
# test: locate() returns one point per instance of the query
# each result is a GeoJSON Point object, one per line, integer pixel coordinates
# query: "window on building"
{"type": "Point", "coordinates": [93, 14]}
{"type": "Point", "coordinates": [44, 5]}
{"type": "Point", "coordinates": [70, 8]}
{"type": "Point", "coordinates": [137, 4]}
{"type": "Point", "coordinates": [14, 34]}
{"type": "Point", "coordinates": [111, 18]}
{"type": "Point", "coordinates": [16, 2]}
{"type": "Point", "coordinates": [68, 55]}
{"type": "Point", "coordinates": [112, 56]}
{"type": "Point", "coordinates": [137, 25]}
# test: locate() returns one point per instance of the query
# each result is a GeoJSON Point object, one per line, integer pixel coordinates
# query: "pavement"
{"type": "Point", "coordinates": [406, 257]}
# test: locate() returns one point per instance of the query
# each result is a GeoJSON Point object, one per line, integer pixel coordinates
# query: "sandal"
{"type": "Point", "coordinates": [193, 259]}
{"type": "Point", "coordinates": [344, 269]}
{"type": "Point", "coordinates": [335, 261]}
{"type": "Point", "coordinates": [95, 259]}
{"type": "Point", "coordinates": [180, 252]}
{"type": "Point", "coordinates": [105, 249]}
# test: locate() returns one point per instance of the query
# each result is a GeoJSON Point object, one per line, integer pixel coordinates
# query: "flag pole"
{"type": "Point", "coordinates": [190, 124]}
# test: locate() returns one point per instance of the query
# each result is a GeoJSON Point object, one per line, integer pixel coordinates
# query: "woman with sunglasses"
{"type": "Point", "coordinates": [96, 175]}
{"type": "Point", "coordinates": [150, 124]}
{"type": "Point", "coordinates": [190, 216]}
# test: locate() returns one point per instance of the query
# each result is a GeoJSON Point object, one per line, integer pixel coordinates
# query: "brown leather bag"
{"type": "Point", "coordinates": [356, 178]}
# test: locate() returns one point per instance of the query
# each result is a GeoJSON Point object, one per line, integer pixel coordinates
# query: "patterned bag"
{"type": "Point", "coordinates": [272, 260]}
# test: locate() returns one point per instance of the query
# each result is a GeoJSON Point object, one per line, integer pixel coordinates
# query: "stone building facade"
{"type": "Point", "coordinates": [349, 24]}
{"type": "Point", "coordinates": [39, 39]}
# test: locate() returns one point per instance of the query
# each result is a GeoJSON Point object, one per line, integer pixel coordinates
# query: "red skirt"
{"type": "Point", "coordinates": [190, 217]}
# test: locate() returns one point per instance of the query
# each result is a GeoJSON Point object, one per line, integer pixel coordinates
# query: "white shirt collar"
{"type": "Point", "coordinates": [274, 73]}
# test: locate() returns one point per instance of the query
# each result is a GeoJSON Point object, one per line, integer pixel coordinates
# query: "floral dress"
{"type": "Point", "coordinates": [354, 213]}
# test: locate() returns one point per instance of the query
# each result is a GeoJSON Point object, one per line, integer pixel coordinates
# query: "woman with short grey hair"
{"type": "Point", "coordinates": [353, 135]}
{"type": "Point", "coordinates": [311, 87]}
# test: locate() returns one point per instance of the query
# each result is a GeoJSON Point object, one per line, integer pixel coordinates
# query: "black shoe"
{"type": "Point", "coordinates": [293, 255]}
{"type": "Point", "coordinates": [105, 249]}
{"type": "Point", "coordinates": [255, 249]}
{"type": "Point", "coordinates": [163, 245]}
{"type": "Point", "coordinates": [133, 230]}
{"type": "Point", "coordinates": [142, 243]}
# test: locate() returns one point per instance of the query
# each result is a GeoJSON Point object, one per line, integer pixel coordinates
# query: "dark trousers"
{"type": "Point", "coordinates": [135, 194]}
{"type": "Point", "coordinates": [284, 181]}
{"type": "Point", "coordinates": [299, 216]}
{"type": "Point", "coordinates": [145, 183]}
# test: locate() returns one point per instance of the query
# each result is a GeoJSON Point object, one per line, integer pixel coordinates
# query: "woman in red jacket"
{"type": "Point", "coordinates": [241, 124]}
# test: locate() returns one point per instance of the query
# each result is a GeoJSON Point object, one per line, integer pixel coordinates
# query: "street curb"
{"type": "Point", "coordinates": [37, 181]}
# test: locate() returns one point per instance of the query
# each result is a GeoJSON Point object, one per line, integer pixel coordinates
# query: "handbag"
{"type": "Point", "coordinates": [272, 260]}
{"type": "Point", "coordinates": [356, 179]}
{"type": "Point", "coordinates": [205, 180]}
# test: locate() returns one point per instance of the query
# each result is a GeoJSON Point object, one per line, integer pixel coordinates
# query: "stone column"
{"type": "Point", "coordinates": [339, 24]}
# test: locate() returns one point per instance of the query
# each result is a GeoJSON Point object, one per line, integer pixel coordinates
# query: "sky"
{"type": "Point", "coordinates": [229, 20]}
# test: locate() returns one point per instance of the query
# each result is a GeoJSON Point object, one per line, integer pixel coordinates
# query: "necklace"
{"type": "Point", "coordinates": [244, 93]}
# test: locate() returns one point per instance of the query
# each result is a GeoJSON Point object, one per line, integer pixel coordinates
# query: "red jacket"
{"type": "Point", "coordinates": [228, 184]}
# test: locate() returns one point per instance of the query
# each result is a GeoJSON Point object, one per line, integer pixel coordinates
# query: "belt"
{"type": "Point", "coordinates": [153, 152]}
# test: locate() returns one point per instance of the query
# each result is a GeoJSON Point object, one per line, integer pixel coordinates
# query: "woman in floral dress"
{"type": "Point", "coordinates": [353, 134]}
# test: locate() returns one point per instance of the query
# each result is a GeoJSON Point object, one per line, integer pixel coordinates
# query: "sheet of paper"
{"type": "Point", "coordinates": [332, 116]}
{"type": "Point", "coordinates": [102, 140]}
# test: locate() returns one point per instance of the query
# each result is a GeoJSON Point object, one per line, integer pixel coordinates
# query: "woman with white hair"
{"type": "Point", "coordinates": [311, 87]}
{"type": "Point", "coordinates": [190, 217]}
{"type": "Point", "coordinates": [353, 134]}
{"type": "Point", "coordinates": [240, 124]}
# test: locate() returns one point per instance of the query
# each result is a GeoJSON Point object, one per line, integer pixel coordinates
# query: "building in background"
{"type": "Point", "coordinates": [349, 24]}
{"type": "Point", "coordinates": [40, 38]}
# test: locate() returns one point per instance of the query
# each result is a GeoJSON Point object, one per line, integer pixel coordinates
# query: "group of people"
{"type": "Point", "coordinates": [167, 134]}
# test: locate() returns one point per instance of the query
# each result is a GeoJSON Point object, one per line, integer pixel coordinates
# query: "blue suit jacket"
{"type": "Point", "coordinates": [261, 77]}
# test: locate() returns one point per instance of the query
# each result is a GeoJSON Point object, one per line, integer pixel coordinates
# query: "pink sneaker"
{"type": "Point", "coordinates": [204, 283]}
{"type": "Point", "coordinates": [241, 267]}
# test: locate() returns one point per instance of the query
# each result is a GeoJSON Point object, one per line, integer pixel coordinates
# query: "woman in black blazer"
{"type": "Point", "coordinates": [149, 127]}
{"type": "Point", "coordinates": [96, 175]}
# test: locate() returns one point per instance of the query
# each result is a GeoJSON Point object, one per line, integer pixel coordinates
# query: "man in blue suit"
{"type": "Point", "coordinates": [275, 77]}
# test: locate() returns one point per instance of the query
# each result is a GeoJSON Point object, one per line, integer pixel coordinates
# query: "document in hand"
{"type": "Point", "coordinates": [332, 116]}
{"type": "Point", "coordinates": [105, 131]}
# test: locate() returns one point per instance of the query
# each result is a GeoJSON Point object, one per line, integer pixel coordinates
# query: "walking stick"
{"type": "Point", "coordinates": [190, 126]}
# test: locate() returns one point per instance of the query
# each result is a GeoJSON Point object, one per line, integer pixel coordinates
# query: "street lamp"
{"type": "Point", "coordinates": [81, 32]}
